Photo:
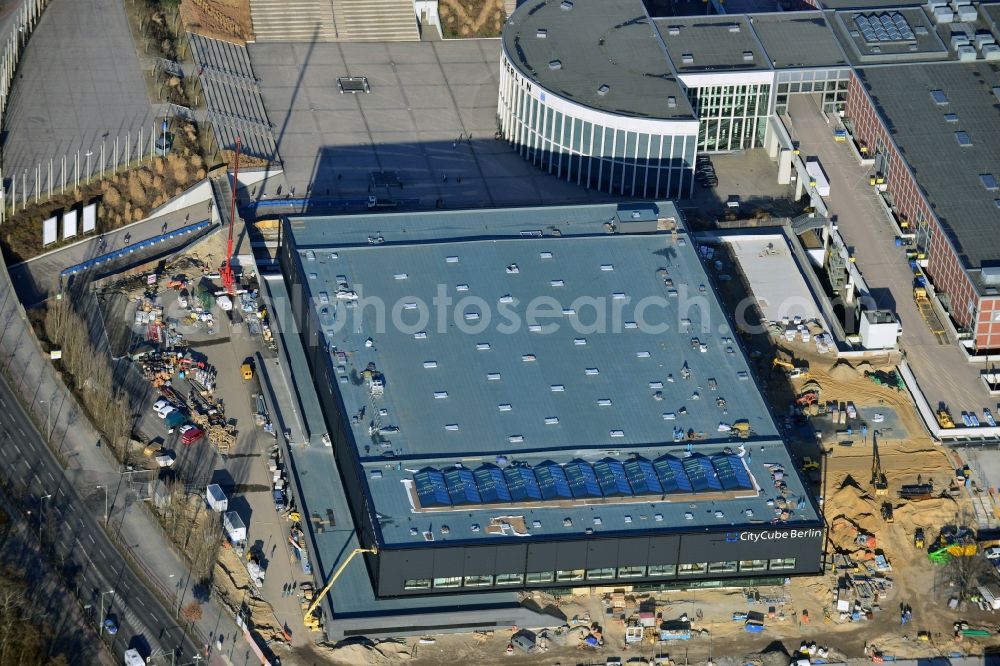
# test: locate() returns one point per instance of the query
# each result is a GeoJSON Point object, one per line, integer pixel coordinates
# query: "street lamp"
{"type": "Point", "coordinates": [48, 418]}
{"type": "Point", "coordinates": [105, 503]}
{"type": "Point", "coordinates": [89, 153]}
{"type": "Point", "coordinates": [41, 513]}
{"type": "Point", "coordinates": [100, 626]}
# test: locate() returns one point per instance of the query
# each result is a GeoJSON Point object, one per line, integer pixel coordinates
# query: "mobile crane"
{"type": "Point", "coordinates": [879, 481]}
{"type": "Point", "coordinates": [226, 271]}
{"type": "Point", "coordinates": [311, 621]}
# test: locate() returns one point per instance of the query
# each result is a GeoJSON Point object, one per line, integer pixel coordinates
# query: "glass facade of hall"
{"type": "Point", "coordinates": [598, 155]}
{"type": "Point", "coordinates": [832, 83]}
{"type": "Point", "coordinates": [730, 117]}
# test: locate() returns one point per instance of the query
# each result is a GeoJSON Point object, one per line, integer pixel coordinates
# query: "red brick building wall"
{"type": "Point", "coordinates": [943, 266]}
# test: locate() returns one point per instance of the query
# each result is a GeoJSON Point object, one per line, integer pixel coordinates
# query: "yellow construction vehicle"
{"type": "Point", "coordinates": [944, 419]}
{"type": "Point", "coordinates": [742, 429]}
{"type": "Point", "coordinates": [791, 369]}
{"type": "Point", "coordinates": [918, 538]}
{"type": "Point", "coordinates": [247, 371]}
{"type": "Point", "coordinates": [311, 621]}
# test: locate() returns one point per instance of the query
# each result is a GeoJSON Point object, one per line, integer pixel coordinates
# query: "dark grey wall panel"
{"type": "Point", "coordinates": [542, 556]}
{"type": "Point", "coordinates": [602, 553]}
{"type": "Point", "coordinates": [572, 555]}
{"type": "Point", "coordinates": [633, 551]}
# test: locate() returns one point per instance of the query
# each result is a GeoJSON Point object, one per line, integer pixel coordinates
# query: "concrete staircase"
{"type": "Point", "coordinates": [293, 20]}
{"type": "Point", "coordinates": [375, 20]}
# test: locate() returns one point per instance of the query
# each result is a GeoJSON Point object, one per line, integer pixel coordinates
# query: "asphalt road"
{"type": "Point", "coordinates": [64, 522]}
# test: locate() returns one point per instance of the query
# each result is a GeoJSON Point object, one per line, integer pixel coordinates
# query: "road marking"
{"type": "Point", "coordinates": [139, 599]}
{"type": "Point", "coordinates": [51, 478]}
{"type": "Point", "coordinates": [89, 536]}
{"type": "Point", "coordinates": [17, 448]}
{"type": "Point", "coordinates": [21, 430]}
{"type": "Point", "coordinates": [59, 491]}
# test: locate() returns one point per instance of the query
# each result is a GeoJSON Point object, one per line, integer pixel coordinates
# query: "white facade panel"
{"type": "Point", "coordinates": [69, 224]}
{"type": "Point", "coordinates": [50, 233]}
{"type": "Point", "coordinates": [89, 218]}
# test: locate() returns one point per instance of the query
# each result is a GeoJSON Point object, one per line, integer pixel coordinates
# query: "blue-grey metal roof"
{"type": "Point", "coordinates": [718, 485]}
{"type": "Point", "coordinates": [476, 377]}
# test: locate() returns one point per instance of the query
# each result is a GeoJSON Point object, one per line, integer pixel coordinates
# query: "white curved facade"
{"type": "Point", "coordinates": [618, 154]}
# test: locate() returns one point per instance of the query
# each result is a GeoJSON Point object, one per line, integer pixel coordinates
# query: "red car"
{"type": "Point", "coordinates": [190, 434]}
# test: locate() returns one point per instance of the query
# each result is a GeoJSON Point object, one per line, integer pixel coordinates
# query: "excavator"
{"type": "Point", "coordinates": [785, 360]}
{"type": "Point", "coordinates": [879, 480]}
{"type": "Point", "coordinates": [312, 620]}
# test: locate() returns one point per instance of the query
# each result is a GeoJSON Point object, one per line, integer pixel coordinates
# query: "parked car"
{"type": "Point", "coordinates": [190, 434]}
{"type": "Point", "coordinates": [992, 553]}
{"type": "Point", "coordinates": [166, 411]}
{"type": "Point", "coordinates": [110, 625]}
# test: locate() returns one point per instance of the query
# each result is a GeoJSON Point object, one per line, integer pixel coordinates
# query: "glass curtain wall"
{"type": "Point", "coordinates": [831, 83]}
{"type": "Point", "coordinates": [598, 156]}
{"type": "Point", "coordinates": [730, 117]}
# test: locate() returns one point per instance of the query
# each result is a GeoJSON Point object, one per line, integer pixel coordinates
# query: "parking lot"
{"type": "Point", "coordinates": [942, 372]}
{"type": "Point", "coordinates": [217, 353]}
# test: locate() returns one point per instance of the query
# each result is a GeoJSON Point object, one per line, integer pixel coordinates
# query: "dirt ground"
{"type": "Point", "coordinates": [851, 508]}
{"type": "Point", "coordinates": [471, 18]}
{"type": "Point", "coordinates": [228, 20]}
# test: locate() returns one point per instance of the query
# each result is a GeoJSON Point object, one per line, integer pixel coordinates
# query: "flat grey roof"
{"type": "Point", "coordinates": [467, 382]}
{"type": "Point", "coordinates": [798, 39]}
{"type": "Point", "coordinates": [318, 481]}
{"type": "Point", "coordinates": [714, 43]}
{"type": "Point", "coordinates": [596, 42]}
{"type": "Point", "coordinates": [925, 43]}
{"type": "Point", "coordinates": [948, 173]}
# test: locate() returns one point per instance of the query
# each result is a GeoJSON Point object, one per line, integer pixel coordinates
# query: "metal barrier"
{"type": "Point", "coordinates": [135, 247]}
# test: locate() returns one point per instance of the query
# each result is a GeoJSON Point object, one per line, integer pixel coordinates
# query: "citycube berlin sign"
{"type": "Point", "coordinates": [774, 535]}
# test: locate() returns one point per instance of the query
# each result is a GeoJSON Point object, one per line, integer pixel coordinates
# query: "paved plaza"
{"type": "Point", "coordinates": [424, 97]}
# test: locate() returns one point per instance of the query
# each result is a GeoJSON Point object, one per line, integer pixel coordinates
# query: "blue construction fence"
{"type": "Point", "coordinates": [135, 247]}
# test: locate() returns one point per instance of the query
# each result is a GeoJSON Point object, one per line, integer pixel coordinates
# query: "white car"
{"type": "Point", "coordinates": [160, 404]}
{"type": "Point", "coordinates": [166, 411]}
{"type": "Point", "coordinates": [992, 553]}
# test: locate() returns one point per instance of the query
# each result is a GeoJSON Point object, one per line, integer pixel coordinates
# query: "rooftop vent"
{"type": "Point", "coordinates": [963, 139]}
{"type": "Point", "coordinates": [541, 33]}
{"type": "Point", "coordinates": [555, 64]}
{"type": "Point", "coordinates": [989, 181]}
{"type": "Point", "coordinates": [734, 27]}
{"type": "Point", "coordinates": [748, 56]}
{"type": "Point", "coordinates": [939, 97]}
{"type": "Point", "coordinates": [674, 30]}
{"type": "Point", "coordinates": [604, 89]}
{"type": "Point", "coordinates": [566, 5]}
{"type": "Point", "coordinates": [687, 58]}
{"type": "Point", "coordinates": [671, 102]}
{"type": "Point", "coordinates": [920, 30]}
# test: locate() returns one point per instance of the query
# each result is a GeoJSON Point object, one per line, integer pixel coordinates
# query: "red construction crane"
{"type": "Point", "coordinates": [228, 279]}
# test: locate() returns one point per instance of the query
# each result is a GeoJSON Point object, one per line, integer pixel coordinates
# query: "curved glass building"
{"type": "Point", "coordinates": [588, 94]}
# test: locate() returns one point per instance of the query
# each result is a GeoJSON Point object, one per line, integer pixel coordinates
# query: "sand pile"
{"type": "Point", "coordinates": [842, 371]}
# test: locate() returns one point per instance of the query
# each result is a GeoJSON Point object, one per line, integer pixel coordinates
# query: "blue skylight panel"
{"type": "Point", "coordinates": [732, 473]}
{"type": "Point", "coordinates": [522, 483]}
{"type": "Point", "coordinates": [702, 474]}
{"type": "Point", "coordinates": [492, 484]}
{"type": "Point", "coordinates": [642, 477]}
{"type": "Point", "coordinates": [431, 488]}
{"type": "Point", "coordinates": [611, 475]}
{"type": "Point", "coordinates": [582, 480]}
{"type": "Point", "coordinates": [672, 476]}
{"type": "Point", "coordinates": [462, 486]}
{"type": "Point", "coordinates": [552, 481]}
